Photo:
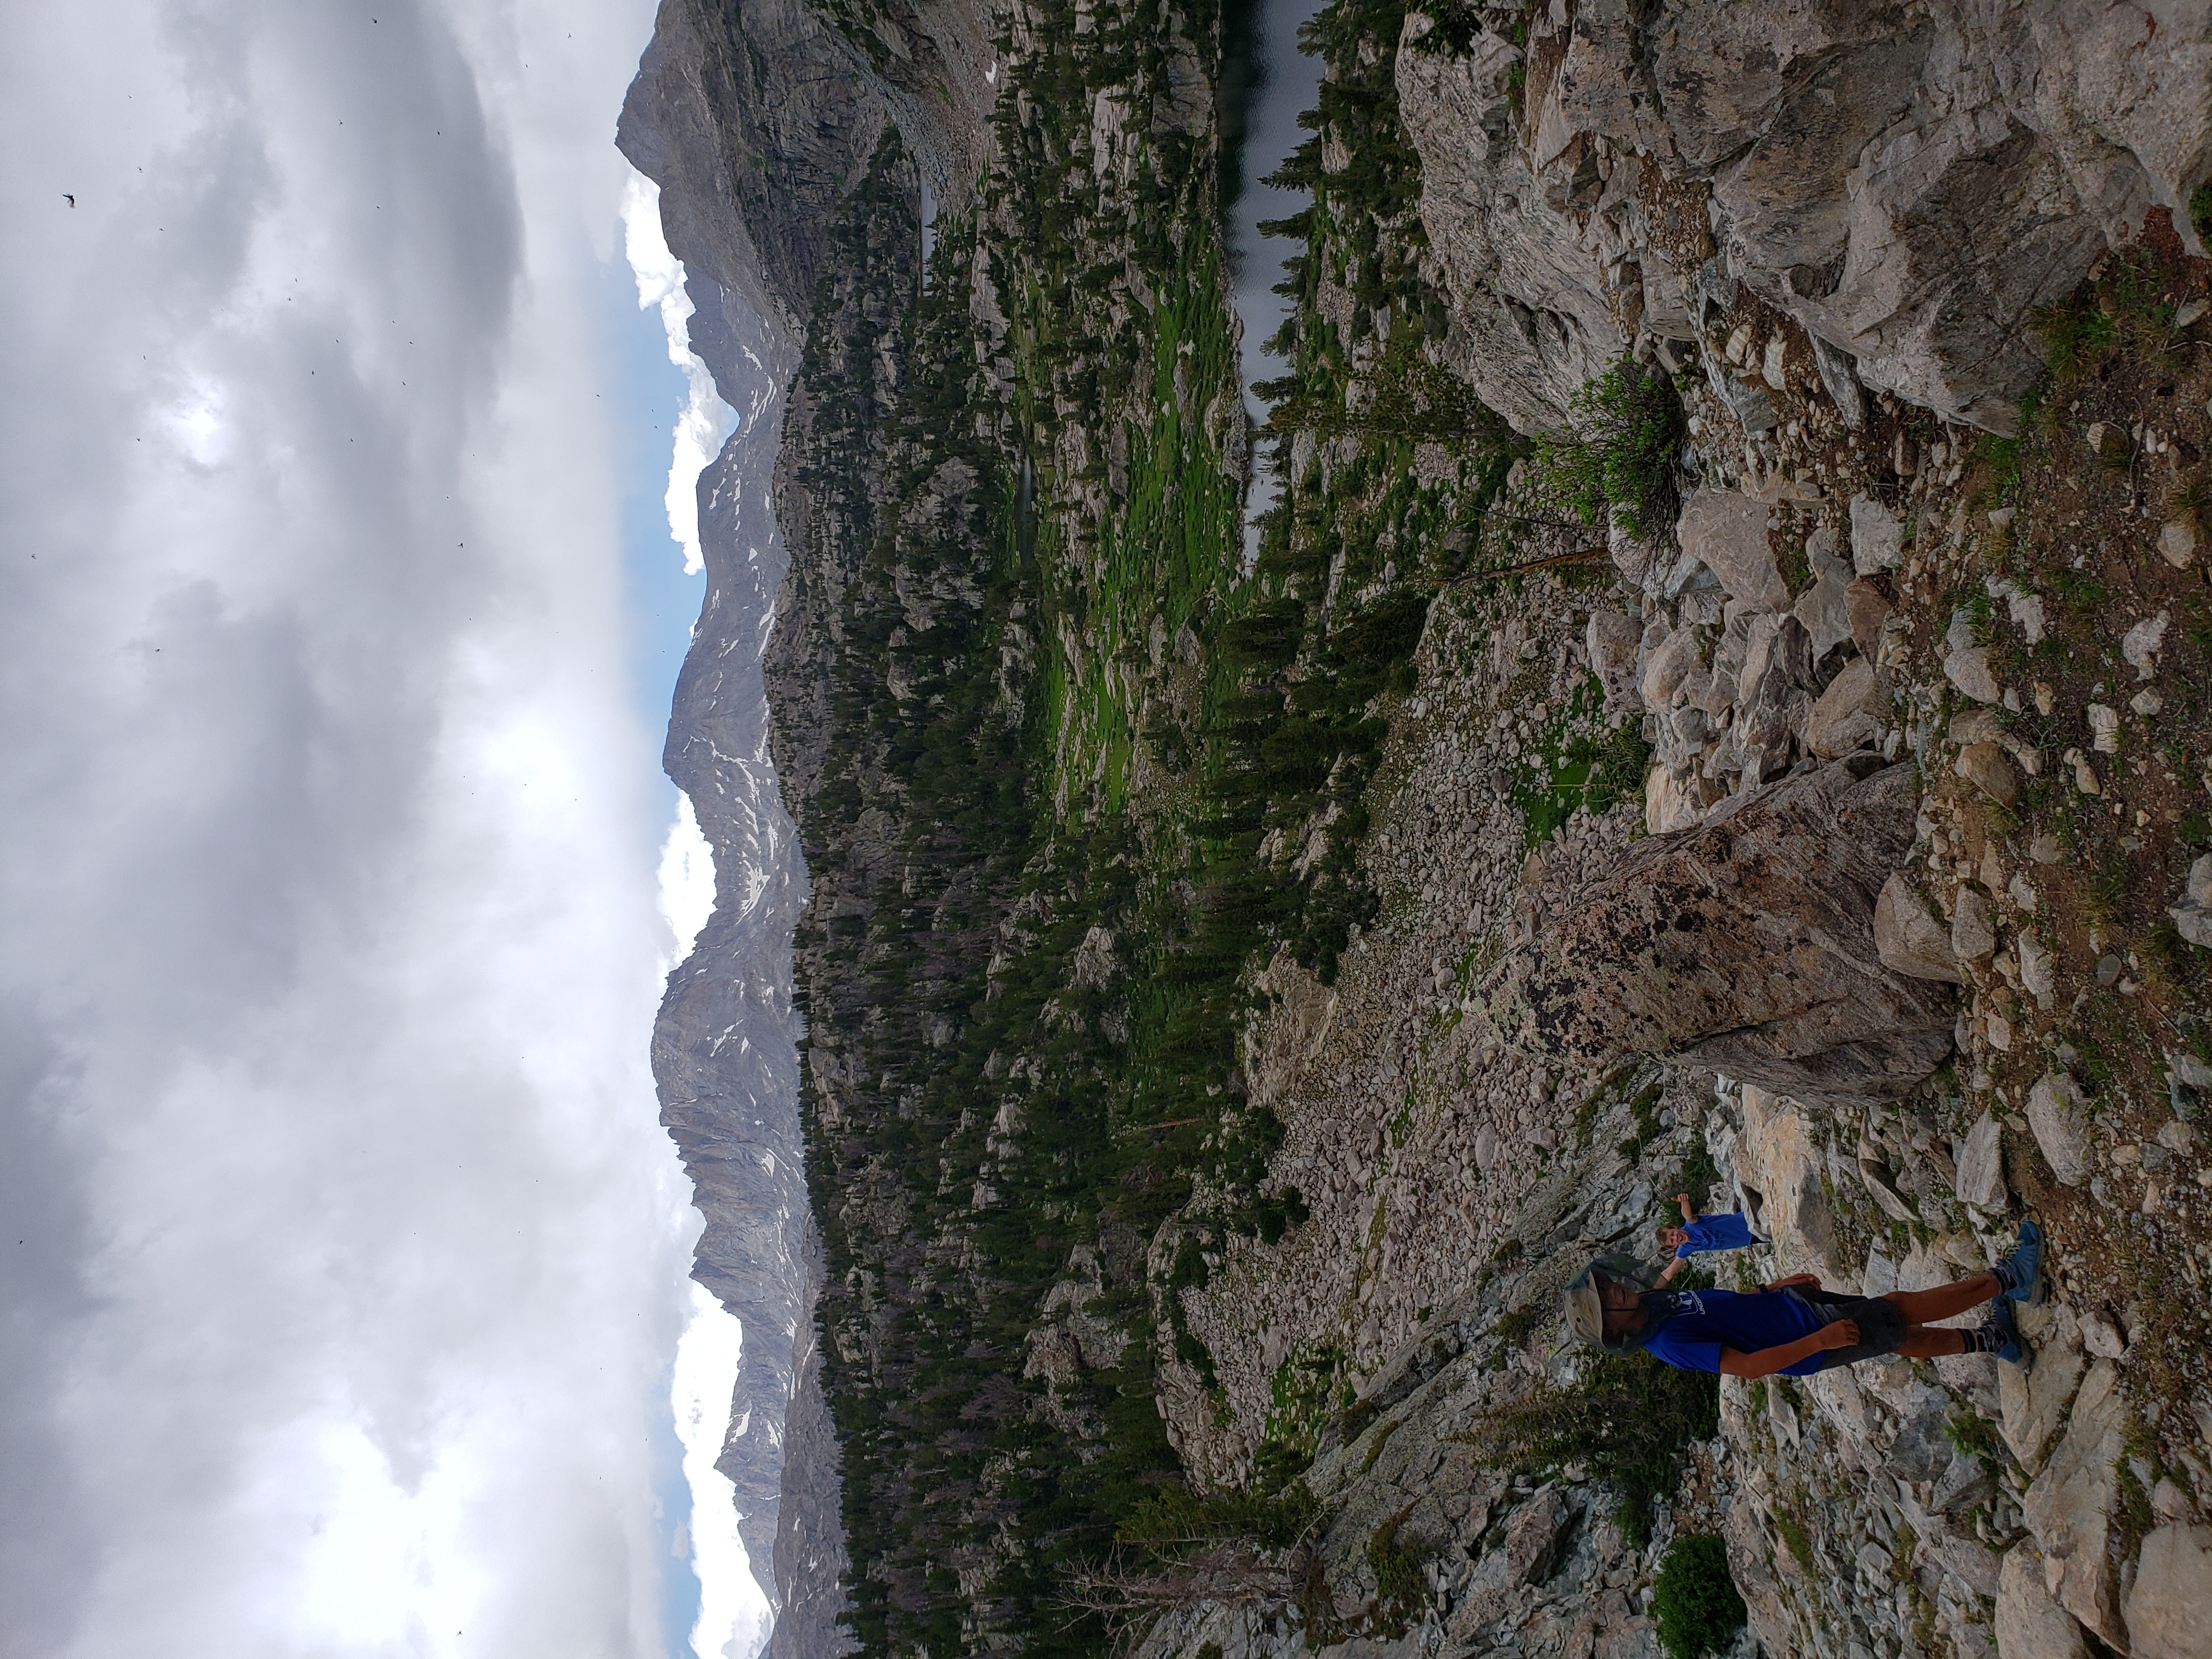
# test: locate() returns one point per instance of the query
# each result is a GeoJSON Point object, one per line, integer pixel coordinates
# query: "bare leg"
{"type": "Point", "coordinates": [1922, 1343]}
{"type": "Point", "coordinates": [1924, 1307]}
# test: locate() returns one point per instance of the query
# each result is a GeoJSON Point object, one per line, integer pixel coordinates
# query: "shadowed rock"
{"type": "Point", "coordinates": [1746, 943]}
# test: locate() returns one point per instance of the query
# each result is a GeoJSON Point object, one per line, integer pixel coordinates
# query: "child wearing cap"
{"type": "Point", "coordinates": [1700, 1233]}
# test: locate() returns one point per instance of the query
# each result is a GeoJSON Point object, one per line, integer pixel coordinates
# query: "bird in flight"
{"type": "Point", "coordinates": [71, 200]}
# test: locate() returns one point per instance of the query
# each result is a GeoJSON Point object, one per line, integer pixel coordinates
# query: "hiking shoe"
{"type": "Point", "coordinates": [2011, 1348]}
{"type": "Point", "coordinates": [2025, 1262]}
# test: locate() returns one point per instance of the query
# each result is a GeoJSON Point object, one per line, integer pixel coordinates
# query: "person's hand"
{"type": "Point", "coordinates": [1843, 1333]}
{"type": "Point", "coordinates": [1794, 1279]}
{"type": "Point", "coordinates": [1683, 1198]}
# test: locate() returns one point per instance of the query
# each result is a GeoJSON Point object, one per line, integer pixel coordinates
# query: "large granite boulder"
{"type": "Point", "coordinates": [2167, 1608]}
{"type": "Point", "coordinates": [2029, 1624]}
{"type": "Point", "coordinates": [1748, 942]}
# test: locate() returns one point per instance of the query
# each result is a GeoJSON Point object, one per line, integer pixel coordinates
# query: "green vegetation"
{"type": "Point", "coordinates": [1580, 765]}
{"type": "Point", "coordinates": [1619, 458]}
{"type": "Point", "coordinates": [1081, 774]}
{"type": "Point", "coordinates": [1397, 1569]}
{"type": "Point", "coordinates": [1627, 1418]}
{"type": "Point", "coordinates": [1795, 1538]}
{"type": "Point", "coordinates": [1176, 1520]}
{"type": "Point", "coordinates": [1974, 1435]}
{"type": "Point", "coordinates": [1695, 1606]}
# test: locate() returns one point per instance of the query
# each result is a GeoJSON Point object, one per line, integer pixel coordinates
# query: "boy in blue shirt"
{"type": "Point", "coordinates": [1795, 1327]}
{"type": "Point", "coordinates": [1698, 1233]}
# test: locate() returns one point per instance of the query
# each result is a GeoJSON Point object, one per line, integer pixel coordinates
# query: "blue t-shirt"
{"type": "Point", "coordinates": [1717, 1233]}
{"type": "Point", "coordinates": [1705, 1321]}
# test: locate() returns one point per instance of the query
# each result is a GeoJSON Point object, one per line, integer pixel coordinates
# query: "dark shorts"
{"type": "Point", "coordinates": [1881, 1324]}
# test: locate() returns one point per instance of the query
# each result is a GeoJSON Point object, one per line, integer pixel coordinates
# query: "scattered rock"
{"type": "Point", "coordinates": [1668, 661]}
{"type": "Point", "coordinates": [1637, 558]}
{"type": "Point", "coordinates": [2033, 1402]}
{"type": "Point", "coordinates": [2038, 974]}
{"type": "Point", "coordinates": [1486, 1147]}
{"type": "Point", "coordinates": [2099, 1338]}
{"type": "Point", "coordinates": [2044, 848]}
{"type": "Point", "coordinates": [1973, 935]}
{"type": "Point", "coordinates": [1908, 939]}
{"type": "Point", "coordinates": [1726, 532]}
{"type": "Point", "coordinates": [1615, 640]}
{"type": "Point", "coordinates": [1984, 766]}
{"type": "Point", "coordinates": [2192, 917]}
{"type": "Point", "coordinates": [1533, 1536]}
{"type": "Point", "coordinates": [2167, 1609]}
{"type": "Point", "coordinates": [2055, 1110]}
{"type": "Point", "coordinates": [2141, 645]}
{"type": "Point", "coordinates": [1824, 607]}
{"type": "Point", "coordinates": [1867, 608]}
{"type": "Point", "coordinates": [2105, 727]}
{"type": "Point", "coordinates": [1877, 537]}
{"type": "Point", "coordinates": [1969, 670]}
{"type": "Point", "coordinates": [2029, 1624]}
{"type": "Point", "coordinates": [1851, 714]}
{"type": "Point", "coordinates": [1981, 1165]}
{"type": "Point", "coordinates": [2177, 544]}
{"type": "Point", "coordinates": [1671, 803]}
{"type": "Point", "coordinates": [2025, 608]}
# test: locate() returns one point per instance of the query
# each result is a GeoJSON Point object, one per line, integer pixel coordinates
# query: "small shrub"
{"type": "Point", "coordinates": [1517, 1327]}
{"type": "Point", "coordinates": [2109, 885]}
{"type": "Point", "coordinates": [1619, 458]}
{"type": "Point", "coordinates": [1398, 1588]}
{"type": "Point", "coordinates": [1176, 1519]}
{"type": "Point", "coordinates": [1628, 1418]}
{"type": "Point", "coordinates": [1795, 1538]}
{"type": "Point", "coordinates": [1695, 1603]}
{"type": "Point", "coordinates": [2192, 498]}
{"type": "Point", "coordinates": [1972, 1433]}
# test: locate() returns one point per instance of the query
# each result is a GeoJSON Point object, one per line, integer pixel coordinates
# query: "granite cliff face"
{"type": "Point", "coordinates": [1904, 183]}
{"type": "Point", "coordinates": [1720, 704]}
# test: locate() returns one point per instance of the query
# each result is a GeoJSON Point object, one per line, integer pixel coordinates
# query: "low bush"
{"type": "Point", "coordinates": [1628, 1418]}
{"type": "Point", "coordinates": [1177, 1519]}
{"type": "Point", "coordinates": [1619, 457]}
{"type": "Point", "coordinates": [1695, 1605]}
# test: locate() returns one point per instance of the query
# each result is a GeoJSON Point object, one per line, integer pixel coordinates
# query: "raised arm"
{"type": "Point", "coordinates": [1689, 1210]}
{"type": "Point", "coordinates": [1843, 1333]}
{"type": "Point", "coordinates": [1673, 1267]}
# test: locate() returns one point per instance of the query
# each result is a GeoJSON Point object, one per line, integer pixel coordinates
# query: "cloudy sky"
{"type": "Point", "coordinates": [344, 1256]}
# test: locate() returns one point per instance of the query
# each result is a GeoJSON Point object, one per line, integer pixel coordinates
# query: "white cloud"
{"type": "Point", "coordinates": [355, 1252]}
{"type": "Point", "coordinates": [733, 1622]}
{"type": "Point", "coordinates": [704, 421]}
{"type": "Point", "coordinates": [687, 877]}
